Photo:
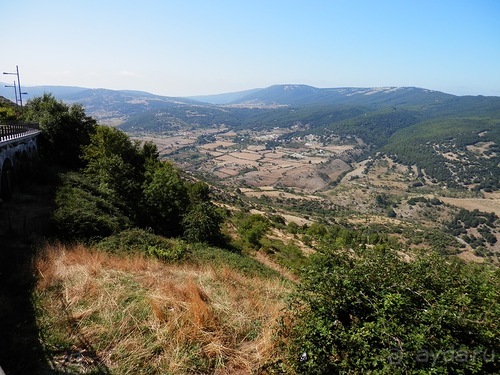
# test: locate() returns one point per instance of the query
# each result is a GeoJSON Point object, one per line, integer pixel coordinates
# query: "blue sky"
{"type": "Point", "coordinates": [188, 47]}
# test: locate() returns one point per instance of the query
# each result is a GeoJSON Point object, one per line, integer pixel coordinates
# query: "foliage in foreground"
{"type": "Point", "coordinates": [371, 311]}
{"type": "Point", "coordinates": [86, 211]}
{"type": "Point", "coordinates": [116, 183]}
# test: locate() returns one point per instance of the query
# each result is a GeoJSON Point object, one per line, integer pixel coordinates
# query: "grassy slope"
{"type": "Point", "coordinates": [104, 313]}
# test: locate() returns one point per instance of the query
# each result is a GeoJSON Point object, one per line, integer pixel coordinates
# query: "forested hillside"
{"type": "Point", "coordinates": [456, 151]}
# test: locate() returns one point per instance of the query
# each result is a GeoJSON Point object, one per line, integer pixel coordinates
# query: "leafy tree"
{"type": "Point", "coordinates": [124, 184]}
{"type": "Point", "coordinates": [105, 198]}
{"type": "Point", "coordinates": [198, 192]}
{"type": "Point", "coordinates": [8, 113]}
{"type": "Point", "coordinates": [202, 223]}
{"type": "Point", "coordinates": [85, 211]}
{"type": "Point", "coordinates": [165, 199]}
{"type": "Point", "coordinates": [369, 311]}
{"type": "Point", "coordinates": [117, 164]}
{"type": "Point", "coordinates": [203, 220]}
{"type": "Point", "coordinates": [252, 228]}
{"type": "Point", "coordinates": [65, 129]}
{"type": "Point", "coordinates": [316, 230]}
{"type": "Point", "coordinates": [107, 141]}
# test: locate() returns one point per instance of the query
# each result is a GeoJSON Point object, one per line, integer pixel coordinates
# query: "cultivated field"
{"type": "Point", "coordinates": [308, 168]}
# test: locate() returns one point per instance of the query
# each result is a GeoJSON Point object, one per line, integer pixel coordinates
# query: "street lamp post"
{"type": "Point", "coordinates": [20, 98]}
{"type": "Point", "coordinates": [19, 86]}
{"type": "Point", "coordinates": [15, 90]}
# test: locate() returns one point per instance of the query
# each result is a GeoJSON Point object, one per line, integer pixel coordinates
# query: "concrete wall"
{"type": "Point", "coordinates": [18, 159]}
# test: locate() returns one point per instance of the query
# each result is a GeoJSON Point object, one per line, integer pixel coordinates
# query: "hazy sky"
{"type": "Point", "coordinates": [188, 47]}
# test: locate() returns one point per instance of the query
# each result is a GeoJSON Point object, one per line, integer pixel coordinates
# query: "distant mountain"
{"type": "Point", "coordinates": [111, 107]}
{"type": "Point", "coordinates": [298, 95]}
{"type": "Point", "coordinates": [257, 107]}
{"type": "Point", "coordinates": [455, 139]}
{"type": "Point", "coordinates": [224, 98]}
{"type": "Point", "coordinates": [5, 102]}
{"type": "Point", "coordinates": [282, 94]}
{"type": "Point", "coordinates": [33, 91]}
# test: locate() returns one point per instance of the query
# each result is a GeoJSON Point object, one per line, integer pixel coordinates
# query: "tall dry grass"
{"type": "Point", "coordinates": [120, 315]}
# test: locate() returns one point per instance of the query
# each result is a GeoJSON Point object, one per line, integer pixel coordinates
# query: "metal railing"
{"type": "Point", "coordinates": [10, 132]}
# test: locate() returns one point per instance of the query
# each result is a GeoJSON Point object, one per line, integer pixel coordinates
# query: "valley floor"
{"type": "Point", "coordinates": [314, 180]}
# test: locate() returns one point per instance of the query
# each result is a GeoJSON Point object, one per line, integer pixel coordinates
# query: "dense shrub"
{"type": "Point", "coordinates": [144, 242]}
{"type": "Point", "coordinates": [414, 200]}
{"type": "Point", "coordinates": [292, 227]}
{"type": "Point", "coordinates": [85, 211]}
{"type": "Point", "coordinates": [482, 221]}
{"type": "Point", "coordinates": [371, 312]}
{"type": "Point", "coordinates": [252, 228]}
{"type": "Point", "coordinates": [165, 199]}
{"type": "Point", "coordinates": [124, 184]}
{"type": "Point", "coordinates": [202, 224]}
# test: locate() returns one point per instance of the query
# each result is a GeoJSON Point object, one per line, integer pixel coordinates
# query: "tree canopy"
{"type": "Point", "coordinates": [123, 184]}
{"type": "Point", "coordinates": [65, 129]}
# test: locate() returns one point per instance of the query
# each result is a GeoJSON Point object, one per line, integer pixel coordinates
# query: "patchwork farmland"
{"type": "Point", "coordinates": [247, 160]}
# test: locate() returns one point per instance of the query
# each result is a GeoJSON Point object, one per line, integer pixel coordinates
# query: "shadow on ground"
{"type": "Point", "coordinates": [23, 219]}
{"type": "Point", "coordinates": [24, 222]}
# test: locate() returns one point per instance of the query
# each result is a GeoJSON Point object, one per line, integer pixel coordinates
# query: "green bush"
{"type": "Point", "coordinates": [85, 211]}
{"type": "Point", "coordinates": [165, 199]}
{"type": "Point", "coordinates": [202, 224]}
{"type": "Point", "coordinates": [292, 227]}
{"type": "Point", "coordinates": [65, 129]}
{"type": "Point", "coordinates": [252, 228]}
{"type": "Point", "coordinates": [414, 200]}
{"type": "Point", "coordinates": [391, 213]}
{"type": "Point", "coordinates": [372, 312]}
{"type": "Point", "coordinates": [144, 242]}
{"type": "Point", "coordinates": [278, 221]}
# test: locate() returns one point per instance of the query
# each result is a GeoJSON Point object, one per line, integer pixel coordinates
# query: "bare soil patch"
{"type": "Point", "coordinates": [480, 148]}
{"type": "Point", "coordinates": [485, 205]}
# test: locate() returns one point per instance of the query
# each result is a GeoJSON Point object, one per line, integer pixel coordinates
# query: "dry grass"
{"type": "Point", "coordinates": [100, 312]}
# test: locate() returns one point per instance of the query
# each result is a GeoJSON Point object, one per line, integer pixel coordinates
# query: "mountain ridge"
{"type": "Point", "coordinates": [62, 92]}
{"type": "Point", "coordinates": [299, 94]}
{"type": "Point", "coordinates": [116, 107]}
